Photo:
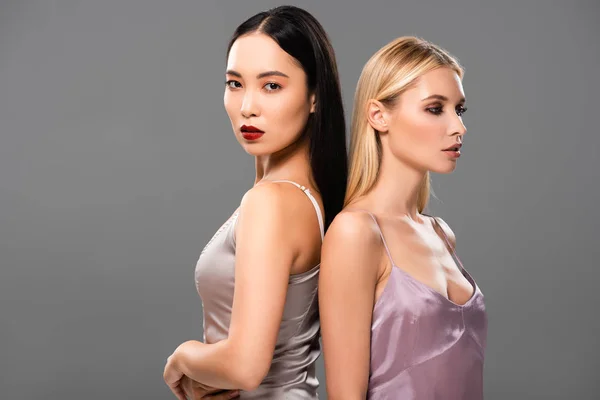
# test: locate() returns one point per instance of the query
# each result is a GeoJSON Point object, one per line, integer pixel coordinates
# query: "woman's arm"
{"type": "Point", "coordinates": [350, 261]}
{"type": "Point", "coordinates": [265, 252]}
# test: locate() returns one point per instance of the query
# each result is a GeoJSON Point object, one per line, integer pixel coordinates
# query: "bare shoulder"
{"type": "Point", "coordinates": [352, 238]}
{"type": "Point", "coordinates": [260, 193]}
{"type": "Point", "coordinates": [353, 228]}
{"type": "Point", "coordinates": [447, 231]}
{"type": "Point", "coordinates": [279, 201]}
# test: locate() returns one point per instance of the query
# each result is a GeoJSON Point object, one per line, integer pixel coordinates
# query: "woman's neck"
{"type": "Point", "coordinates": [289, 163]}
{"type": "Point", "coordinates": [396, 191]}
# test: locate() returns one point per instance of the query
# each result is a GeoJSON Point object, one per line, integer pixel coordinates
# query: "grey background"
{"type": "Point", "coordinates": [117, 164]}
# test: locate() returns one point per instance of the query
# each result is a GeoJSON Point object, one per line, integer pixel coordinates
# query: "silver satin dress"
{"type": "Point", "coordinates": [292, 374]}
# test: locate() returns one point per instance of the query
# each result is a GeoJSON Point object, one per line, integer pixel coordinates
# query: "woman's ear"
{"type": "Point", "coordinates": [313, 102]}
{"type": "Point", "coordinates": [377, 115]}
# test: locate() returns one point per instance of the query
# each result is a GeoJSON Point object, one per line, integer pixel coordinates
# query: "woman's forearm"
{"type": "Point", "coordinates": [214, 365]}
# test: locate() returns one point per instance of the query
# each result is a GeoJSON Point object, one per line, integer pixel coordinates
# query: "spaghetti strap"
{"type": "Point", "coordinates": [447, 240]}
{"type": "Point", "coordinates": [387, 250]}
{"type": "Point", "coordinates": [313, 201]}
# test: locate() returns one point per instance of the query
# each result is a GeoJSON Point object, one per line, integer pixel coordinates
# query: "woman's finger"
{"type": "Point", "coordinates": [186, 387]}
{"type": "Point", "coordinates": [229, 394]}
{"type": "Point", "coordinates": [178, 392]}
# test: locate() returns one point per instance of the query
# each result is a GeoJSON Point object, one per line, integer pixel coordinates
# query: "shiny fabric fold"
{"type": "Point", "coordinates": [292, 375]}
{"type": "Point", "coordinates": [423, 345]}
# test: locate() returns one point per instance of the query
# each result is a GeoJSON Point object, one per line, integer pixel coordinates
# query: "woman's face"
{"type": "Point", "coordinates": [266, 95]}
{"type": "Point", "coordinates": [425, 127]}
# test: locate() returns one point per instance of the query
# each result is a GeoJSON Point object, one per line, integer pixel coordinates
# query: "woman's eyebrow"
{"type": "Point", "coordinates": [259, 76]}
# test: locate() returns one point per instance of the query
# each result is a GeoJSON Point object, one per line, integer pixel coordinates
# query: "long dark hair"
{"type": "Point", "coordinates": [300, 35]}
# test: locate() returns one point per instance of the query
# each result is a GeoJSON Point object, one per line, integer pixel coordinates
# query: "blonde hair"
{"type": "Point", "coordinates": [388, 74]}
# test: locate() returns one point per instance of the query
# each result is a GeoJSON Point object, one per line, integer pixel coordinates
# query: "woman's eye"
{"type": "Point", "coordinates": [233, 84]}
{"type": "Point", "coordinates": [435, 110]}
{"type": "Point", "coordinates": [460, 110]}
{"type": "Point", "coordinates": [272, 86]}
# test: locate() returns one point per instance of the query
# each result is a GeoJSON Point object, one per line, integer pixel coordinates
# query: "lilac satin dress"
{"type": "Point", "coordinates": [423, 345]}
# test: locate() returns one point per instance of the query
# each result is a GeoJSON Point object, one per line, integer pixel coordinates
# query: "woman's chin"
{"type": "Point", "coordinates": [447, 168]}
{"type": "Point", "coordinates": [255, 149]}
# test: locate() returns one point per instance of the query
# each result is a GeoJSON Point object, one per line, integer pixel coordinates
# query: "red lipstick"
{"type": "Point", "coordinates": [250, 132]}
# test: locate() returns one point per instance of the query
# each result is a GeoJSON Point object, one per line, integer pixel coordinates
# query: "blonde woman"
{"type": "Point", "coordinates": [400, 317]}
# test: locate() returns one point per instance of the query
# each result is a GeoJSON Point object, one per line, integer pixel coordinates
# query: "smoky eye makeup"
{"type": "Point", "coordinates": [435, 109]}
{"type": "Point", "coordinates": [438, 109]}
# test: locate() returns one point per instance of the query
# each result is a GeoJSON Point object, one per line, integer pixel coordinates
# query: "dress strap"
{"type": "Point", "coordinates": [447, 240]}
{"type": "Point", "coordinates": [387, 249]}
{"type": "Point", "coordinates": [313, 201]}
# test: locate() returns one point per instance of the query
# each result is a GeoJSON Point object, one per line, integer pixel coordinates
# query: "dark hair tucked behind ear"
{"type": "Point", "coordinates": [300, 35]}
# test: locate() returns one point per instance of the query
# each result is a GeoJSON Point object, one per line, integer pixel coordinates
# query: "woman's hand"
{"type": "Point", "coordinates": [173, 378]}
{"type": "Point", "coordinates": [197, 391]}
{"type": "Point", "coordinates": [185, 388]}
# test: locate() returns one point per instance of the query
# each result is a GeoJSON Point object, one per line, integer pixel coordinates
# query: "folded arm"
{"type": "Point", "coordinates": [264, 256]}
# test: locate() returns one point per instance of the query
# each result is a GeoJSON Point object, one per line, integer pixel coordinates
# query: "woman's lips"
{"type": "Point", "coordinates": [251, 135]}
{"type": "Point", "coordinates": [453, 151]}
{"type": "Point", "coordinates": [250, 132]}
{"type": "Point", "coordinates": [453, 154]}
